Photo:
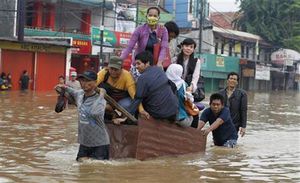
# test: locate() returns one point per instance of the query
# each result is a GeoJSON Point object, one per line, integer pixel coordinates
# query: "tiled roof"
{"type": "Point", "coordinates": [223, 19]}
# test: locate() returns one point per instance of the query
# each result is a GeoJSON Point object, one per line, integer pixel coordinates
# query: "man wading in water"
{"type": "Point", "coordinates": [92, 134]}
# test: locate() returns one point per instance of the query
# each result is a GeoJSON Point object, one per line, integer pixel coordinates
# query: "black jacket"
{"type": "Point", "coordinates": [237, 105]}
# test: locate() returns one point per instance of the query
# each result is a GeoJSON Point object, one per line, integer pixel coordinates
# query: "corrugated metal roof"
{"type": "Point", "coordinates": [239, 35]}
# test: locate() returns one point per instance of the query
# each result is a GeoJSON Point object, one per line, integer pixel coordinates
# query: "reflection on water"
{"type": "Point", "coordinates": [38, 145]}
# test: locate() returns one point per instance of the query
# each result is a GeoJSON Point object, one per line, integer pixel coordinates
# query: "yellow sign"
{"type": "Point", "coordinates": [34, 47]}
{"type": "Point", "coordinates": [220, 61]}
{"type": "Point", "coordinates": [237, 48]}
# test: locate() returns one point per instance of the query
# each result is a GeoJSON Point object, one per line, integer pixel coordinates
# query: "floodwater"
{"type": "Point", "coordinates": [38, 145]}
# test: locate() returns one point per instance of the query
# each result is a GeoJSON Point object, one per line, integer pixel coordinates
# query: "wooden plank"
{"type": "Point", "coordinates": [110, 100]}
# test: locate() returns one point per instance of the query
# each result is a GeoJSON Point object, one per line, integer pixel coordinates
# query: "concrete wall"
{"type": "Point", "coordinates": [8, 18]}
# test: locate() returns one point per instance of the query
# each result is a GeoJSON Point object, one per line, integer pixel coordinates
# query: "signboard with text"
{"type": "Point", "coordinates": [262, 72]}
{"type": "Point", "coordinates": [110, 38]}
{"type": "Point", "coordinates": [82, 46]}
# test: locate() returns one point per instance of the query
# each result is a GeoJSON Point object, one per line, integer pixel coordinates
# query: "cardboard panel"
{"type": "Point", "coordinates": [162, 138]}
{"type": "Point", "coordinates": [123, 140]}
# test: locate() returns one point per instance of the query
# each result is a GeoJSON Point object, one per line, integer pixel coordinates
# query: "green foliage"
{"type": "Point", "coordinates": [277, 21]}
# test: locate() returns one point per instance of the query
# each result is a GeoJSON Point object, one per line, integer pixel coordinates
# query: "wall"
{"type": "Point", "coordinates": [49, 67]}
{"type": "Point", "coordinates": [8, 18]}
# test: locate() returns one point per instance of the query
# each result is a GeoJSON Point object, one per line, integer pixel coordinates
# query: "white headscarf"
{"type": "Point", "coordinates": [174, 73]}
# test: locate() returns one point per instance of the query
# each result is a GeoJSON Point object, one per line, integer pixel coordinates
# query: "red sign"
{"type": "Point", "coordinates": [82, 47]}
{"type": "Point", "coordinates": [122, 38]}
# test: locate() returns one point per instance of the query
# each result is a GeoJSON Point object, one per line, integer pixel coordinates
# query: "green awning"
{"type": "Point", "coordinates": [214, 75]}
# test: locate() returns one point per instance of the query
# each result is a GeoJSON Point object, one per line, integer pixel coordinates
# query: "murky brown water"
{"type": "Point", "coordinates": [38, 145]}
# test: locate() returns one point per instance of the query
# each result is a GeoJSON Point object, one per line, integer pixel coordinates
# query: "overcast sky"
{"type": "Point", "coordinates": [223, 5]}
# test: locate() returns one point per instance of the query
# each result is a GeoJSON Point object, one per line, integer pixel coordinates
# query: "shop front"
{"type": "Point", "coordinates": [44, 63]}
{"type": "Point", "coordinates": [285, 75]}
{"type": "Point", "coordinates": [214, 70]}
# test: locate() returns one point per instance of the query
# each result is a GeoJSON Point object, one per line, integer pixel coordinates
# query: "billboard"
{"type": "Point", "coordinates": [110, 38]}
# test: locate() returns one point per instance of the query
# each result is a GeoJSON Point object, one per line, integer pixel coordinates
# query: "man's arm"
{"type": "Point", "coordinates": [200, 125]}
{"type": "Point", "coordinates": [243, 113]}
{"type": "Point", "coordinates": [101, 75]}
{"type": "Point", "coordinates": [214, 126]}
{"type": "Point", "coordinates": [131, 88]}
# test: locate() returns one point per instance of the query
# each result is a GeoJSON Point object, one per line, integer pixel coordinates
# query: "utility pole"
{"type": "Point", "coordinates": [101, 61]}
{"type": "Point", "coordinates": [201, 25]}
{"type": "Point", "coordinates": [174, 10]}
{"type": "Point", "coordinates": [21, 19]}
{"type": "Point", "coordinates": [137, 14]}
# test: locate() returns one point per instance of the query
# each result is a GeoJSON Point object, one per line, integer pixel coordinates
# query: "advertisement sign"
{"type": "Point", "coordinates": [248, 72]}
{"type": "Point", "coordinates": [110, 38]}
{"type": "Point", "coordinates": [82, 46]}
{"type": "Point", "coordinates": [125, 17]}
{"type": "Point", "coordinates": [262, 72]}
{"type": "Point", "coordinates": [284, 57]}
{"type": "Point", "coordinates": [220, 61]}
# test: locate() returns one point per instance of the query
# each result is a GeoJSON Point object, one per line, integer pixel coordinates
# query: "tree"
{"type": "Point", "coordinates": [277, 21]}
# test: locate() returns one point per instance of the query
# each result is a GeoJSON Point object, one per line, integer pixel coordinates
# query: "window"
{"type": "Point", "coordinates": [216, 48]}
{"type": "Point", "coordinates": [29, 14]}
{"type": "Point", "coordinates": [230, 49]}
{"type": "Point", "coordinates": [242, 51]}
{"type": "Point", "coordinates": [247, 52]}
{"type": "Point", "coordinates": [222, 48]}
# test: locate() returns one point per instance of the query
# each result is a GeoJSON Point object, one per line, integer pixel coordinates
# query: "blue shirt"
{"type": "Point", "coordinates": [182, 114]}
{"type": "Point", "coordinates": [155, 93]}
{"type": "Point", "coordinates": [225, 131]}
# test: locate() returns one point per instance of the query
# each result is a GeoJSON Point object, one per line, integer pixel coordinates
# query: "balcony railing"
{"type": "Point", "coordinates": [34, 31]}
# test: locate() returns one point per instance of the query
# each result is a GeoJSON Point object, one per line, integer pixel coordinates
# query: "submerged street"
{"type": "Point", "coordinates": [39, 145]}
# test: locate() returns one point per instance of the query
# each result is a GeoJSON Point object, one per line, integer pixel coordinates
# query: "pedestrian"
{"type": "Point", "coordinates": [153, 90]}
{"type": "Point", "coordinates": [221, 126]}
{"type": "Point", "coordinates": [118, 83]}
{"type": "Point", "coordinates": [9, 83]}
{"type": "Point", "coordinates": [174, 74]}
{"type": "Point", "coordinates": [146, 36]}
{"type": "Point", "coordinates": [73, 83]}
{"type": "Point", "coordinates": [92, 133]}
{"type": "Point", "coordinates": [61, 79]}
{"type": "Point", "coordinates": [191, 69]}
{"type": "Point", "coordinates": [3, 81]}
{"type": "Point", "coordinates": [173, 32]}
{"type": "Point", "coordinates": [24, 80]}
{"type": "Point", "coordinates": [237, 101]}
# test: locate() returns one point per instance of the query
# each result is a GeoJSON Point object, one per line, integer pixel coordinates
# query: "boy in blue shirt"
{"type": "Point", "coordinates": [224, 132]}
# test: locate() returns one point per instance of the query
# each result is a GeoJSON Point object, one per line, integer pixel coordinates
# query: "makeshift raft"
{"type": "Point", "coordinates": [153, 138]}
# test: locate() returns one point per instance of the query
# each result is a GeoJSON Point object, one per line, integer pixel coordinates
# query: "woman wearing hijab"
{"type": "Point", "coordinates": [174, 74]}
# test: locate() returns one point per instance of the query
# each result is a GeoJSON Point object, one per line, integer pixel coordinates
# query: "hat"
{"type": "Point", "coordinates": [73, 73]}
{"type": "Point", "coordinates": [89, 75]}
{"type": "Point", "coordinates": [115, 62]}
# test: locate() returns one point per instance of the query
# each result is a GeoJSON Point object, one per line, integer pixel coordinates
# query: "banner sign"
{"type": "Point", "coordinates": [110, 38]}
{"type": "Point", "coordinates": [285, 57]}
{"type": "Point", "coordinates": [82, 46]}
{"type": "Point", "coordinates": [262, 72]}
{"type": "Point", "coordinates": [125, 17]}
{"type": "Point", "coordinates": [220, 61]}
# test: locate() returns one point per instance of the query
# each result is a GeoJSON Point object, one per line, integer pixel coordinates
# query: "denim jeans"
{"type": "Point", "coordinates": [230, 143]}
{"type": "Point", "coordinates": [125, 102]}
